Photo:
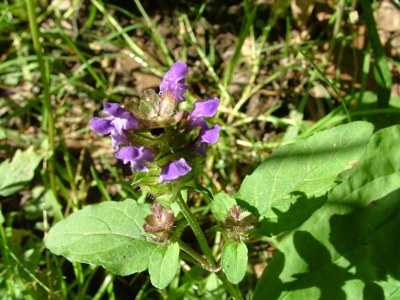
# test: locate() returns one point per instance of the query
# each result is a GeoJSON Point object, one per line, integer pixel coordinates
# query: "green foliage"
{"type": "Point", "coordinates": [164, 262]}
{"type": "Point", "coordinates": [221, 205]}
{"type": "Point", "coordinates": [15, 174]}
{"type": "Point", "coordinates": [291, 184]}
{"type": "Point", "coordinates": [109, 234]}
{"type": "Point", "coordinates": [234, 260]}
{"type": "Point", "coordinates": [348, 248]}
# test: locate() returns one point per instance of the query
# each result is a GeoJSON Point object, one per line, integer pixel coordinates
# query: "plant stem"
{"type": "Point", "coordinates": [198, 232]}
{"type": "Point", "coordinates": [48, 121]}
{"type": "Point", "coordinates": [194, 255]}
{"type": "Point", "coordinates": [235, 293]}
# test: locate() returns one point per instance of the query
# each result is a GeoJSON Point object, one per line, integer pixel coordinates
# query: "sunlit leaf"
{"type": "Point", "coordinates": [291, 184]}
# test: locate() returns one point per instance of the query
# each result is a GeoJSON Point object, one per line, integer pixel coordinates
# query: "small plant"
{"type": "Point", "coordinates": [295, 200]}
{"type": "Point", "coordinates": [164, 146]}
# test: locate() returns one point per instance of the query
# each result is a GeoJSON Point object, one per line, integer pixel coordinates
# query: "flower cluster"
{"type": "Point", "coordinates": [153, 135]}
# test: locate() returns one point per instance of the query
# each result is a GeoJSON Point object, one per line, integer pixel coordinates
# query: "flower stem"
{"type": "Point", "coordinates": [198, 232]}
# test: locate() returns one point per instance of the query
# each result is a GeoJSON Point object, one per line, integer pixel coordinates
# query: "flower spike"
{"type": "Point", "coordinates": [152, 135]}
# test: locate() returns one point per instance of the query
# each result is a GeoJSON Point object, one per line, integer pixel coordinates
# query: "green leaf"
{"type": "Point", "coordinates": [349, 248]}
{"type": "Point", "coordinates": [16, 174]}
{"type": "Point", "coordinates": [234, 260]}
{"type": "Point", "coordinates": [221, 205]}
{"type": "Point", "coordinates": [163, 265]}
{"type": "Point", "coordinates": [109, 234]}
{"type": "Point", "coordinates": [291, 184]}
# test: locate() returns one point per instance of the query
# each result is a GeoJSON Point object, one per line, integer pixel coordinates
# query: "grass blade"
{"type": "Point", "coordinates": [381, 69]}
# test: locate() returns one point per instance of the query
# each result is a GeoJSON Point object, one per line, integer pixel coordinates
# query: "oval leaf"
{"type": "Point", "coordinates": [292, 182]}
{"type": "Point", "coordinates": [163, 265]}
{"type": "Point", "coordinates": [234, 260]}
{"type": "Point", "coordinates": [109, 234]}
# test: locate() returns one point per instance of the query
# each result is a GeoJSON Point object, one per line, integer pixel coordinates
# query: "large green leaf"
{"type": "Point", "coordinates": [109, 234]}
{"type": "Point", "coordinates": [15, 174]}
{"type": "Point", "coordinates": [291, 184]}
{"type": "Point", "coordinates": [349, 248]}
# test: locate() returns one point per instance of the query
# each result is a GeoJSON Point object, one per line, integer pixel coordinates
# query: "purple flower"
{"type": "Point", "coordinates": [209, 135]}
{"type": "Point", "coordinates": [205, 109]}
{"type": "Point", "coordinates": [137, 157]}
{"type": "Point", "coordinates": [117, 139]}
{"type": "Point", "coordinates": [174, 81]}
{"type": "Point", "coordinates": [116, 124]}
{"type": "Point", "coordinates": [174, 170]}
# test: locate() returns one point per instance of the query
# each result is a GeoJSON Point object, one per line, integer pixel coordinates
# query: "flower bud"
{"type": "Point", "coordinates": [160, 223]}
{"type": "Point", "coordinates": [239, 223]}
{"type": "Point", "coordinates": [153, 110]}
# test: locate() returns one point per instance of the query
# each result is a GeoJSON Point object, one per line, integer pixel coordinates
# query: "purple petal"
{"type": "Point", "coordinates": [121, 124]}
{"type": "Point", "coordinates": [210, 135]}
{"type": "Point", "coordinates": [101, 125]}
{"type": "Point", "coordinates": [114, 109]}
{"type": "Point", "coordinates": [174, 81]}
{"type": "Point", "coordinates": [174, 170]}
{"type": "Point", "coordinates": [205, 108]}
{"type": "Point", "coordinates": [137, 157]}
{"type": "Point", "coordinates": [117, 139]}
